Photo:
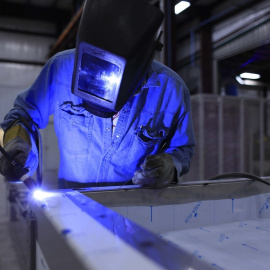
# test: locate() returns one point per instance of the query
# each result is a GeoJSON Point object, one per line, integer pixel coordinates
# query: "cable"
{"type": "Point", "coordinates": [239, 175]}
{"type": "Point", "coordinates": [38, 140]}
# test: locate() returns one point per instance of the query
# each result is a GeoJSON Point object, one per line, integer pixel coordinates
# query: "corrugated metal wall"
{"type": "Point", "coordinates": [22, 56]}
{"type": "Point", "coordinates": [232, 135]}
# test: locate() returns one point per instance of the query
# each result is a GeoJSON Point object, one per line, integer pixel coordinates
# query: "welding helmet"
{"type": "Point", "coordinates": [116, 43]}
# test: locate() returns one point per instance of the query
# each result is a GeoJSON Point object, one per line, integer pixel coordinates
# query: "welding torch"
{"type": "Point", "coordinates": [20, 171]}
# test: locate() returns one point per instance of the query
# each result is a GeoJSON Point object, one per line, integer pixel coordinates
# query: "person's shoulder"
{"type": "Point", "coordinates": [162, 70]}
{"type": "Point", "coordinates": [66, 55]}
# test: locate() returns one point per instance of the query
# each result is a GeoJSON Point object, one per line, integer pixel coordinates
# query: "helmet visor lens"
{"type": "Point", "coordinates": [99, 77]}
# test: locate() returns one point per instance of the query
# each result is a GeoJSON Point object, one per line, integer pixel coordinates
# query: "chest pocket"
{"type": "Point", "coordinates": [74, 130]}
{"type": "Point", "coordinates": [152, 132]}
{"type": "Point", "coordinates": [147, 139]}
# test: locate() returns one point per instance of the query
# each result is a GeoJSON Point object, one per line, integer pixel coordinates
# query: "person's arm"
{"type": "Point", "coordinates": [36, 102]}
{"type": "Point", "coordinates": [181, 145]}
{"type": "Point", "coordinates": [160, 170]}
{"type": "Point", "coordinates": [32, 109]}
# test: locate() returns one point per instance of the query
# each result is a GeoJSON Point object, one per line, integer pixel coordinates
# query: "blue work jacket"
{"type": "Point", "coordinates": [158, 117]}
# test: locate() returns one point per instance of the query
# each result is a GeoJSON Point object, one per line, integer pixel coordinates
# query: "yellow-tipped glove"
{"type": "Point", "coordinates": [17, 144]}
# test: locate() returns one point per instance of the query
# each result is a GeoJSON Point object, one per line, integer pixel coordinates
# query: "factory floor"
{"type": "Point", "coordinates": [11, 254]}
{"type": "Point", "coordinates": [11, 257]}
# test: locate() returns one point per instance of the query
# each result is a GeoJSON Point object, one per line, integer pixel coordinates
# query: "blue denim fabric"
{"type": "Point", "coordinates": [160, 115]}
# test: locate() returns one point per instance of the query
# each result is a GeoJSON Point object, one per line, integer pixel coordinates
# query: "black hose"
{"type": "Point", "coordinates": [240, 175]}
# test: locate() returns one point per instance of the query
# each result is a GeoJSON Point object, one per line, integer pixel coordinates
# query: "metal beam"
{"type": "Point", "coordinates": [26, 32]}
{"type": "Point", "coordinates": [27, 11]}
{"type": "Point", "coordinates": [185, 192]}
{"type": "Point", "coordinates": [22, 62]}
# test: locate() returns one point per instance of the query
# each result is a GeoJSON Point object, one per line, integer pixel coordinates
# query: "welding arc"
{"type": "Point", "coordinates": [239, 175]}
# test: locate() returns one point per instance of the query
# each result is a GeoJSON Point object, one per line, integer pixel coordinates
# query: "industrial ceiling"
{"type": "Point", "coordinates": [66, 15]}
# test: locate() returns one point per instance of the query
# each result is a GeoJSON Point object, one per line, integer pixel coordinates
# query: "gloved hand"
{"type": "Point", "coordinates": [157, 171]}
{"type": "Point", "coordinates": [17, 144]}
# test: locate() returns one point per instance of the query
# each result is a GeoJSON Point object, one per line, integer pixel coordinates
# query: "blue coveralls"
{"type": "Point", "coordinates": [158, 116]}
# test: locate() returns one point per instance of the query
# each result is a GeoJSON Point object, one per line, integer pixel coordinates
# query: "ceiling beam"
{"type": "Point", "coordinates": [28, 11]}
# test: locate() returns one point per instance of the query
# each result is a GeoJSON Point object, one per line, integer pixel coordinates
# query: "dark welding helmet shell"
{"type": "Point", "coordinates": [119, 35]}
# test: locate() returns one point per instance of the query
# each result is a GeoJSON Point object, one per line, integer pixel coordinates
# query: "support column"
{"type": "Point", "coordinates": [206, 68]}
{"type": "Point", "coordinates": [167, 6]}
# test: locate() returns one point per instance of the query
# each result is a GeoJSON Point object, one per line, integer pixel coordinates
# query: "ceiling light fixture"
{"type": "Point", "coordinates": [239, 80]}
{"type": "Point", "coordinates": [182, 5]}
{"type": "Point", "coordinates": [251, 76]}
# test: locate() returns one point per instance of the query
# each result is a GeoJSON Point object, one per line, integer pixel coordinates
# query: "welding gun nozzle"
{"type": "Point", "coordinates": [30, 183]}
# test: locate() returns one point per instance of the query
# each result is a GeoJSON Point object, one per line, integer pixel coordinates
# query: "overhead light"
{"type": "Point", "coordinates": [239, 80]}
{"type": "Point", "coordinates": [252, 76]}
{"type": "Point", "coordinates": [182, 5]}
{"type": "Point", "coordinates": [252, 83]}
{"type": "Point", "coordinates": [248, 82]}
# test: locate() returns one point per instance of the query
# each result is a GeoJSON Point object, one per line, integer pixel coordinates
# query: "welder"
{"type": "Point", "coordinates": [119, 115]}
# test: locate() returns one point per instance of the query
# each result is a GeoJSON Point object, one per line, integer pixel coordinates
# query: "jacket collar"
{"type": "Point", "coordinates": [152, 79]}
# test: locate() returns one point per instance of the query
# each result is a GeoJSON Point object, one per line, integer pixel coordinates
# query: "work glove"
{"type": "Point", "coordinates": [157, 171]}
{"type": "Point", "coordinates": [17, 144]}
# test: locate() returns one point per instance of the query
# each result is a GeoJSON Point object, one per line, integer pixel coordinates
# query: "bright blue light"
{"type": "Point", "coordinates": [99, 77]}
{"type": "Point", "coordinates": [41, 195]}
{"type": "Point", "coordinates": [110, 80]}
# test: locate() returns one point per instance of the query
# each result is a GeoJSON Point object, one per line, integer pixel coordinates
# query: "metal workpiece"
{"type": "Point", "coordinates": [128, 227]}
{"type": "Point", "coordinates": [76, 232]}
{"type": "Point", "coordinates": [51, 249]}
{"type": "Point", "coordinates": [185, 192]}
{"type": "Point", "coordinates": [31, 241]}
